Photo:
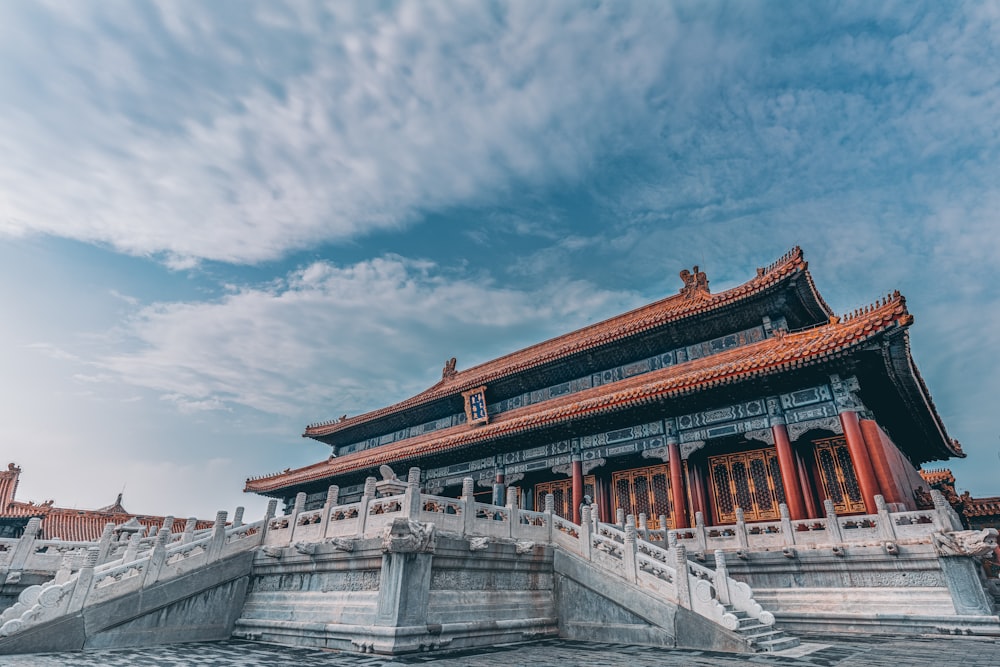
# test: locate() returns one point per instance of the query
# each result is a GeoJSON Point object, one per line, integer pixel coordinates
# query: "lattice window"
{"type": "Point", "coordinates": [840, 484]}
{"type": "Point", "coordinates": [748, 480]}
{"type": "Point", "coordinates": [643, 491]}
{"type": "Point", "coordinates": [562, 492]}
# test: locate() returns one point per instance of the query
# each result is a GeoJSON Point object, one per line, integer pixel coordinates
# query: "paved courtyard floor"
{"type": "Point", "coordinates": [860, 652]}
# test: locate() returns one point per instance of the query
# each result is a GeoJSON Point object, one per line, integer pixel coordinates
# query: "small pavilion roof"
{"type": "Point", "coordinates": [689, 303]}
{"type": "Point", "coordinates": [775, 355]}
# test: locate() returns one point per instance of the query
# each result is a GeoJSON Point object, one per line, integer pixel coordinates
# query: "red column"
{"type": "Point", "coordinates": [692, 484]}
{"type": "Point", "coordinates": [498, 489]}
{"type": "Point", "coordinates": [808, 493]}
{"type": "Point", "coordinates": [577, 487]}
{"type": "Point", "coordinates": [789, 472]}
{"type": "Point", "coordinates": [880, 461]}
{"type": "Point", "coordinates": [698, 491]}
{"type": "Point", "coordinates": [861, 460]}
{"type": "Point", "coordinates": [679, 498]}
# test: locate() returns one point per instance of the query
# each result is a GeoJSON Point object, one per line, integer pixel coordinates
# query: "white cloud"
{"type": "Point", "coordinates": [375, 118]}
{"type": "Point", "coordinates": [331, 338]}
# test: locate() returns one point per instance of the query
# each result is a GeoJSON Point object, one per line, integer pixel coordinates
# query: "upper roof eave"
{"type": "Point", "coordinates": [640, 320]}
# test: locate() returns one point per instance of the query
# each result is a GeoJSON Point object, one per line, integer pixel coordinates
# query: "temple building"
{"type": "Point", "coordinates": [64, 523]}
{"type": "Point", "coordinates": [698, 403]}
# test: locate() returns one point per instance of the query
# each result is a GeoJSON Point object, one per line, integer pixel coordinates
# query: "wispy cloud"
{"type": "Point", "coordinates": [172, 133]}
{"type": "Point", "coordinates": [331, 338]}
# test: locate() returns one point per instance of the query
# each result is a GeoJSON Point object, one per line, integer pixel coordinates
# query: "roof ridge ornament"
{"type": "Point", "coordinates": [449, 371]}
{"type": "Point", "coordinates": [695, 282]}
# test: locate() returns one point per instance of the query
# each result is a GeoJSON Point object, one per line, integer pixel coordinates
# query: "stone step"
{"type": "Point", "coordinates": [755, 630]}
{"type": "Point", "coordinates": [778, 644]}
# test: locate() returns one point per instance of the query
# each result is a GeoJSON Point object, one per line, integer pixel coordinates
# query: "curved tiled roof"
{"type": "Point", "coordinates": [65, 523]}
{"type": "Point", "coordinates": [82, 525]}
{"type": "Point", "coordinates": [689, 303]}
{"type": "Point", "coordinates": [937, 476]}
{"type": "Point", "coordinates": [982, 507]}
{"type": "Point", "coordinates": [770, 356]}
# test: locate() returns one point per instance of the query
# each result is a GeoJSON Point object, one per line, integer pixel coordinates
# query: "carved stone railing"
{"type": "Point", "coordinates": [637, 555]}
{"type": "Point", "coordinates": [831, 531]}
{"type": "Point", "coordinates": [95, 583]}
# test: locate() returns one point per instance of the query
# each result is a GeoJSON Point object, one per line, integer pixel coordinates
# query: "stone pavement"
{"type": "Point", "coordinates": [853, 652]}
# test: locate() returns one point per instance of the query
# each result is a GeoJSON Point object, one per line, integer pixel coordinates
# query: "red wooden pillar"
{"type": "Point", "coordinates": [697, 474]}
{"type": "Point", "coordinates": [808, 492]}
{"type": "Point", "coordinates": [860, 458]}
{"type": "Point", "coordinates": [677, 494]}
{"type": "Point", "coordinates": [692, 485]}
{"type": "Point", "coordinates": [880, 461]}
{"type": "Point", "coordinates": [577, 487]}
{"type": "Point", "coordinates": [789, 471]}
{"type": "Point", "coordinates": [498, 489]}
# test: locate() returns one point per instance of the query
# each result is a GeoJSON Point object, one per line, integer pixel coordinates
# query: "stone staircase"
{"type": "Point", "coordinates": [759, 637]}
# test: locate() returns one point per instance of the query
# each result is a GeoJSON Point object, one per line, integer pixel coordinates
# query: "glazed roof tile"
{"type": "Point", "coordinates": [773, 355]}
{"type": "Point", "coordinates": [687, 304]}
{"type": "Point", "coordinates": [982, 507]}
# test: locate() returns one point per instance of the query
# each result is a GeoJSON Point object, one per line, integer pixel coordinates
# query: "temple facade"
{"type": "Point", "coordinates": [698, 403]}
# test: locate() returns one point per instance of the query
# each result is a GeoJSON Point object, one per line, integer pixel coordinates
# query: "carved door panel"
{"type": "Point", "coordinates": [840, 484]}
{"type": "Point", "coordinates": [748, 480]}
{"type": "Point", "coordinates": [562, 492]}
{"type": "Point", "coordinates": [643, 491]}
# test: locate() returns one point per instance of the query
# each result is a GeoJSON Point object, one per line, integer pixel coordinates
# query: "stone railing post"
{"type": "Point", "coordinates": [188, 534]}
{"type": "Point", "coordinates": [832, 524]}
{"type": "Point", "coordinates": [948, 519]}
{"type": "Point", "coordinates": [620, 518]}
{"type": "Point", "coordinates": [550, 509]}
{"type": "Point", "coordinates": [682, 583]}
{"type": "Point", "coordinates": [886, 527]}
{"type": "Point", "coordinates": [84, 580]}
{"type": "Point", "coordinates": [293, 518]}
{"type": "Point", "coordinates": [133, 547]}
{"type": "Point", "coordinates": [238, 517]}
{"type": "Point", "coordinates": [512, 498]}
{"type": "Point", "coordinates": [157, 558]}
{"type": "Point", "coordinates": [629, 552]}
{"type": "Point", "coordinates": [787, 534]}
{"type": "Point", "coordinates": [741, 529]}
{"type": "Point", "coordinates": [595, 516]}
{"type": "Point", "coordinates": [332, 498]}
{"type": "Point", "coordinates": [272, 509]}
{"type": "Point", "coordinates": [25, 546]}
{"type": "Point", "coordinates": [585, 528]}
{"type": "Point", "coordinates": [411, 500]}
{"type": "Point", "coordinates": [722, 578]}
{"type": "Point", "coordinates": [642, 528]}
{"type": "Point", "coordinates": [65, 570]}
{"type": "Point", "coordinates": [218, 541]}
{"type": "Point", "coordinates": [168, 524]}
{"type": "Point", "coordinates": [700, 533]}
{"type": "Point", "coordinates": [662, 521]}
{"type": "Point", "coordinates": [469, 498]}
{"type": "Point", "coordinates": [366, 497]}
{"type": "Point", "coordinates": [413, 476]}
{"type": "Point", "coordinates": [104, 544]}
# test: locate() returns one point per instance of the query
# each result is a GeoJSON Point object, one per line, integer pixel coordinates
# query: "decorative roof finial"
{"type": "Point", "coordinates": [449, 369]}
{"type": "Point", "coordinates": [695, 282]}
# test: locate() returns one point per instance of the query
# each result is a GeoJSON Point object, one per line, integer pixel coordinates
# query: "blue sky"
{"type": "Point", "coordinates": [222, 221]}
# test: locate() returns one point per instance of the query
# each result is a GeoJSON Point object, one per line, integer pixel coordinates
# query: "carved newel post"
{"type": "Point", "coordinates": [404, 585]}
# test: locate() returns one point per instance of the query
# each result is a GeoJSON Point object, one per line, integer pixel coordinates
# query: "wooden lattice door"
{"type": "Point", "coordinates": [748, 480]}
{"type": "Point", "coordinates": [562, 493]}
{"type": "Point", "coordinates": [643, 491]}
{"type": "Point", "coordinates": [840, 484]}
